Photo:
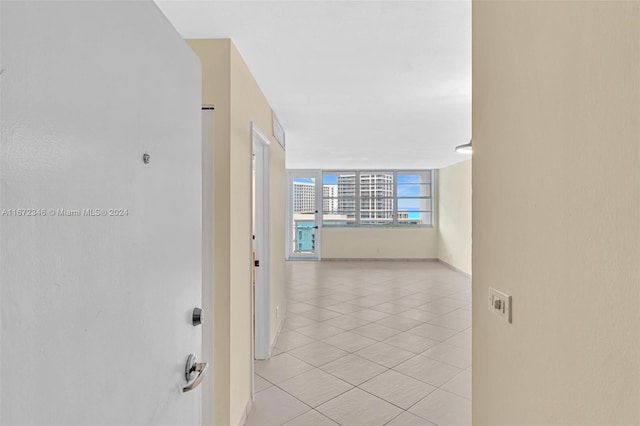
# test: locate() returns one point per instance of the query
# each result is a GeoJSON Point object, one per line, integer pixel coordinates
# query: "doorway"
{"type": "Point", "coordinates": [305, 197]}
{"type": "Point", "coordinates": [260, 274]}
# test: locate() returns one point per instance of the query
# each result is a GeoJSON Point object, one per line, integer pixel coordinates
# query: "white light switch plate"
{"type": "Point", "coordinates": [500, 304]}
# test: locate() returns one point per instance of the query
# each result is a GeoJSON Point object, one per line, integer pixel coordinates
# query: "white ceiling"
{"type": "Point", "coordinates": [355, 84]}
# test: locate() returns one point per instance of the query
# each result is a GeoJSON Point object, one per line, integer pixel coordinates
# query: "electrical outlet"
{"type": "Point", "coordinates": [277, 312]}
{"type": "Point", "coordinates": [500, 304]}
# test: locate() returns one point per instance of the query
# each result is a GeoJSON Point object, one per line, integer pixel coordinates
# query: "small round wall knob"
{"type": "Point", "coordinates": [146, 158]}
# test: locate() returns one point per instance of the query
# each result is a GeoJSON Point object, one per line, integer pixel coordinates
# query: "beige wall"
{"type": "Point", "coordinates": [379, 243]}
{"type": "Point", "coordinates": [238, 101]}
{"type": "Point", "coordinates": [216, 90]}
{"type": "Point", "coordinates": [454, 213]}
{"type": "Point", "coordinates": [556, 212]}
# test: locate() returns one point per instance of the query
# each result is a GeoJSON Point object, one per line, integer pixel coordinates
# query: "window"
{"type": "Point", "coordinates": [371, 198]}
{"type": "Point", "coordinates": [414, 206]}
{"type": "Point", "coordinates": [339, 198]}
{"type": "Point", "coordinates": [376, 198]}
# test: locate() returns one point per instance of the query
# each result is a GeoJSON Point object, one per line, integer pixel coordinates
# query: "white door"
{"type": "Point", "coordinates": [100, 256]}
{"type": "Point", "coordinates": [305, 217]}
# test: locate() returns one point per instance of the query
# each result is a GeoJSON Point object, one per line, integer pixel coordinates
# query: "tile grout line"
{"type": "Point", "coordinates": [328, 288]}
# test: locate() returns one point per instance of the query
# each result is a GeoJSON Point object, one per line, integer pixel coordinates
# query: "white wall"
{"type": "Point", "coordinates": [454, 213]}
{"type": "Point", "coordinates": [379, 243]}
{"type": "Point", "coordinates": [91, 305]}
{"type": "Point", "coordinates": [556, 212]}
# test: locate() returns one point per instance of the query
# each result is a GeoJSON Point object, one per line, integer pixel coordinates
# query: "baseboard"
{"type": "Point", "coordinates": [243, 417]}
{"type": "Point", "coordinates": [378, 259]}
{"type": "Point", "coordinates": [450, 266]}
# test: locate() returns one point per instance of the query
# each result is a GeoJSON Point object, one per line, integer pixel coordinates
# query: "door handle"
{"type": "Point", "coordinates": [194, 369]}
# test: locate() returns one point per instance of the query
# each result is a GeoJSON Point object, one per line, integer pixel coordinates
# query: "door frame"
{"type": "Point", "coordinates": [317, 175]}
{"type": "Point", "coordinates": [262, 332]}
{"type": "Point", "coordinates": [208, 116]}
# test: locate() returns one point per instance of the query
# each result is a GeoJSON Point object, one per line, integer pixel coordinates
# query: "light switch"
{"type": "Point", "coordinates": [500, 304]}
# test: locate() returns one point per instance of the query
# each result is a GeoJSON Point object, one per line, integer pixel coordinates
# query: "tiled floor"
{"type": "Point", "coordinates": [369, 343]}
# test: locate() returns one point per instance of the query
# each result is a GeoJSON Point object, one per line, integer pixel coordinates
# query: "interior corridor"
{"type": "Point", "coordinates": [369, 343]}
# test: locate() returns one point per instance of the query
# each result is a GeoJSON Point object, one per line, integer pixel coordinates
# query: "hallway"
{"type": "Point", "coordinates": [369, 343]}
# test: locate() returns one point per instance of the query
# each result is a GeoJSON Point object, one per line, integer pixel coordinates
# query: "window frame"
{"type": "Point", "coordinates": [358, 197]}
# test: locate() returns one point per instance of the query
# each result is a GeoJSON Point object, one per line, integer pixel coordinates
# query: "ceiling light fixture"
{"type": "Point", "coordinates": [465, 149]}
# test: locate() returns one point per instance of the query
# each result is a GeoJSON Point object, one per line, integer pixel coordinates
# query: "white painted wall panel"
{"type": "Point", "coordinates": [95, 310]}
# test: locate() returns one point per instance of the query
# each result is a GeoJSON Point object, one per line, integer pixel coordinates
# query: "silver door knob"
{"type": "Point", "coordinates": [195, 371]}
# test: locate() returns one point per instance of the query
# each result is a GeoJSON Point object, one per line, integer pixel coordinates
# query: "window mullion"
{"type": "Point", "coordinates": [357, 198]}
{"type": "Point", "coordinates": [430, 174]}
{"type": "Point", "coordinates": [395, 198]}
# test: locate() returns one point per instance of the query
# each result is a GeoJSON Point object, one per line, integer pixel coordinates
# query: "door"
{"type": "Point", "coordinates": [101, 228]}
{"type": "Point", "coordinates": [305, 199]}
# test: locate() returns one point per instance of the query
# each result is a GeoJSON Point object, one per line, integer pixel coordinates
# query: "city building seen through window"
{"type": "Point", "coordinates": [366, 198]}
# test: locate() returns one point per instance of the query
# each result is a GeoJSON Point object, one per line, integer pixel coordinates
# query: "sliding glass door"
{"type": "Point", "coordinates": [305, 195]}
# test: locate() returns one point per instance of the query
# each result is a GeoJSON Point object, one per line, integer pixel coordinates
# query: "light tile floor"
{"type": "Point", "coordinates": [369, 343]}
